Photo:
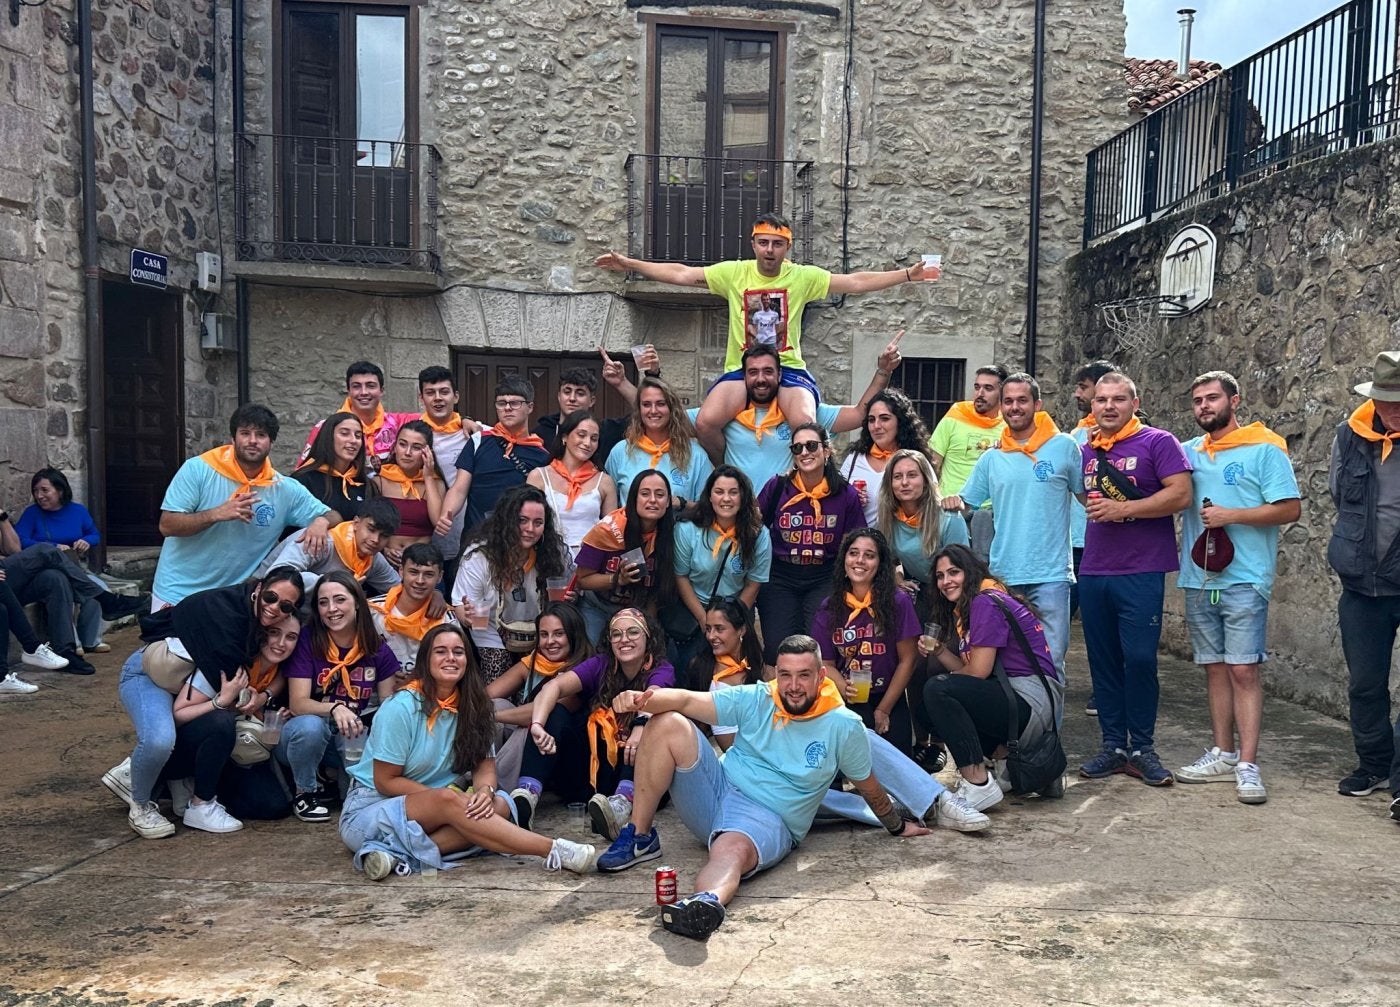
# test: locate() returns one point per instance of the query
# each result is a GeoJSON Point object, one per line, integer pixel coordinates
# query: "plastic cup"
{"type": "Point", "coordinates": [933, 267]}
{"type": "Point", "coordinates": [478, 620]}
{"type": "Point", "coordinates": [351, 749]}
{"type": "Point", "coordinates": [636, 556]}
{"type": "Point", "coordinates": [931, 636]}
{"type": "Point", "coordinates": [638, 352]}
{"type": "Point", "coordinates": [861, 679]}
{"type": "Point", "coordinates": [578, 811]}
{"type": "Point", "coordinates": [558, 587]}
{"type": "Point", "coordinates": [272, 727]}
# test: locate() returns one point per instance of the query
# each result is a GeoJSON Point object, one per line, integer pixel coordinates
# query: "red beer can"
{"type": "Point", "coordinates": [665, 886]}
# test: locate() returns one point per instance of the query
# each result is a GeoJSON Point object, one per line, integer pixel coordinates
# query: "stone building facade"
{"type": "Point", "coordinates": [1307, 292]}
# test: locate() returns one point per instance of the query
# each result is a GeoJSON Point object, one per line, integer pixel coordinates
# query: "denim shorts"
{"type": "Point", "coordinates": [1227, 624]}
{"type": "Point", "coordinates": [709, 804]}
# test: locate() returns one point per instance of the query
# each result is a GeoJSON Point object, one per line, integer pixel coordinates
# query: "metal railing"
{"type": "Point", "coordinates": [1327, 87]}
{"type": "Point", "coordinates": [699, 210]}
{"type": "Point", "coordinates": [336, 200]}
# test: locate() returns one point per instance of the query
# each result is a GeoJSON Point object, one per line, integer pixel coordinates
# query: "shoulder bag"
{"type": "Point", "coordinates": [676, 620]}
{"type": "Point", "coordinates": [1037, 766]}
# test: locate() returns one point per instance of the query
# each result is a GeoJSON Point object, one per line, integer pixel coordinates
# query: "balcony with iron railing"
{"type": "Point", "coordinates": [1328, 87]}
{"type": "Point", "coordinates": [327, 207]}
{"type": "Point", "coordinates": [698, 210]}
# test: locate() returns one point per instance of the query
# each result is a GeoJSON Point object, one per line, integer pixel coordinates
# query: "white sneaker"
{"type": "Point", "coordinates": [45, 658]}
{"type": "Point", "coordinates": [1248, 787]}
{"type": "Point", "coordinates": [13, 685]}
{"type": "Point", "coordinates": [1214, 766]}
{"type": "Point", "coordinates": [981, 796]}
{"type": "Point", "coordinates": [181, 793]}
{"type": "Point", "coordinates": [577, 857]}
{"type": "Point", "coordinates": [211, 817]}
{"type": "Point", "coordinates": [953, 812]}
{"type": "Point", "coordinates": [118, 781]}
{"type": "Point", "coordinates": [148, 822]}
{"type": "Point", "coordinates": [378, 865]}
{"type": "Point", "coordinates": [609, 814]}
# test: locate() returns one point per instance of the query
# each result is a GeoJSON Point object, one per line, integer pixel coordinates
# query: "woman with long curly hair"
{"type": "Point", "coordinates": [501, 579]}
{"type": "Point", "coordinates": [424, 793]}
{"type": "Point", "coordinates": [635, 659]}
{"type": "Point", "coordinates": [660, 436]}
{"type": "Point", "coordinates": [868, 633]}
{"type": "Point", "coordinates": [334, 470]}
{"type": "Point", "coordinates": [891, 424]}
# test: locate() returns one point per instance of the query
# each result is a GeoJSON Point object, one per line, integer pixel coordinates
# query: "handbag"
{"type": "Point", "coordinates": [677, 620]}
{"type": "Point", "coordinates": [248, 747]}
{"type": "Point", "coordinates": [1038, 765]}
{"type": "Point", "coordinates": [517, 636]}
{"type": "Point", "coordinates": [165, 669]}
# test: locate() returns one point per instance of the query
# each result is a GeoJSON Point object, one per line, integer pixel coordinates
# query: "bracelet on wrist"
{"type": "Point", "coordinates": [907, 277]}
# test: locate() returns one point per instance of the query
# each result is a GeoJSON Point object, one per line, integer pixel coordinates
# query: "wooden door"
{"type": "Point", "coordinates": [144, 414]}
{"type": "Point", "coordinates": [477, 374]}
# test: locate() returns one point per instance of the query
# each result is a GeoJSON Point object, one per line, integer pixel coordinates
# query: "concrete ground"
{"type": "Point", "coordinates": [1118, 894]}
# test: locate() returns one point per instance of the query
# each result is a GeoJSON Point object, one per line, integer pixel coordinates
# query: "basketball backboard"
{"type": "Point", "coordinates": [1188, 268]}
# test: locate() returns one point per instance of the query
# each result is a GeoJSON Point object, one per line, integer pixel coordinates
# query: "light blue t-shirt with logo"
{"type": "Point", "coordinates": [1031, 503]}
{"type": "Point", "coordinates": [1246, 476]}
{"type": "Point", "coordinates": [788, 768]}
{"type": "Point", "coordinates": [625, 463]}
{"type": "Point", "coordinates": [761, 460]}
{"type": "Point", "coordinates": [1078, 516]}
{"type": "Point", "coordinates": [695, 558]}
{"type": "Point", "coordinates": [908, 545]}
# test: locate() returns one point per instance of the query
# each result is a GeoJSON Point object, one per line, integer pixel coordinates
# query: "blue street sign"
{"type": "Point", "coordinates": [149, 269]}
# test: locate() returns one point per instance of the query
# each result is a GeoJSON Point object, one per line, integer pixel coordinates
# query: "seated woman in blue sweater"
{"type": "Point", "coordinates": [55, 517]}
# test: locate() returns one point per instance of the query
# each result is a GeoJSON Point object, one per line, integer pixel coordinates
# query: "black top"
{"type": "Point", "coordinates": [328, 489]}
{"type": "Point", "coordinates": [610, 431]}
{"type": "Point", "coordinates": [217, 627]}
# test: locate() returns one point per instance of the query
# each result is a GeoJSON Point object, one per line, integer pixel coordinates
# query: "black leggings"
{"type": "Point", "coordinates": [970, 715]}
{"type": "Point", "coordinates": [901, 734]}
{"type": "Point", "coordinates": [566, 771]}
{"type": "Point", "coordinates": [788, 602]}
{"type": "Point", "coordinates": [17, 623]}
{"type": "Point", "coordinates": [202, 747]}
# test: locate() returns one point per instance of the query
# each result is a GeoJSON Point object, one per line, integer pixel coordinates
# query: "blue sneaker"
{"type": "Point", "coordinates": [1106, 763]}
{"type": "Point", "coordinates": [629, 849]}
{"type": "Point", "coordinates": [1145, 765]}
{"type": "Point", "coordinates": [696, 916]}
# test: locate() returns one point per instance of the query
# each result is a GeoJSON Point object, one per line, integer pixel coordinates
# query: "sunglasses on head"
{"type": "Point", "coordinates": [270, 597]}
{"type": "Point", "coordinates": [805, 447]}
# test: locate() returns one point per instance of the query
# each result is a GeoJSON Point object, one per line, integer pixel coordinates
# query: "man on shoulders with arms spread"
{"type": "Point", "coordinates": [766, 282]}
{"type": "Point", "coordinates": [795, 735]}
{"type": "Point", "coordinates": [226, 509]}
{"type": "Point", "coordinates": [1244, 487]}
{"type": "Point", "coordinates": [966, 431]}
{"type": "Point", "coordinates": [1136, 478]}
{"type": "Point", "coordinates": [1364, 479]}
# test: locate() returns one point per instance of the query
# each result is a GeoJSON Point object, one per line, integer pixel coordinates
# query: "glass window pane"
{"type": "Point", "coordinates": [380, 58]}
{"type": "Point", "coordinates": [680, 103]}
{"type": "Point", "coordinates": [747, 73]}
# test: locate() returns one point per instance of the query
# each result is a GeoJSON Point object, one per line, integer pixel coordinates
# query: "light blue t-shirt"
{"type": "Point", "coordinates": [229, 551]}
{"type": "Point", "coordinates": [624, 463]}
{"type": "Point", "coordinates": [908, 545]}
{"type": "Point", "coordinates": [696, 559]}
{"type": "Point", "coordinates": [1078, 516]}
{"type": "Point", "coordinates": [762, 460]}
{"type": "Point", "coordinates": [401, 738]}
{"type": "Point", "coordinates": [789, 768]}
{"type": "Point", "coordinates": [1246, 476]}
{"type": "Point", "coordinates": [1031, 503]}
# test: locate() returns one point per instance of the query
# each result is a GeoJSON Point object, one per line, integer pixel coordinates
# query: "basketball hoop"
{"type": "Point", "coordinates": [1134, 319]}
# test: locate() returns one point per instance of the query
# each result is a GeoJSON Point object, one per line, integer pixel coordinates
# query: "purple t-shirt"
{"type": "Point", "coordinates": [1145, 545]}
{"type": "Point", "coordinates": [989, 628]}
{"type": "Point", "coordinates": [842, 644]}
{"type": "Point", "coordinates": [364, 676]}
{"type": "Point", "coordinates": [798, 536]}
{"type": "Point", "coordinates": [591, 672]}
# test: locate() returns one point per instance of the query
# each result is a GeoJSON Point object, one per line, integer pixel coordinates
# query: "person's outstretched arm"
{"type": "Point", "coordinates": [661, 272]}
{"type": "Point", "coordinates": [865, 282]}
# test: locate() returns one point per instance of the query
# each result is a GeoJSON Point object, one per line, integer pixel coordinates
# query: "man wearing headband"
{"type": "Point", "coordinates": [767, 282]}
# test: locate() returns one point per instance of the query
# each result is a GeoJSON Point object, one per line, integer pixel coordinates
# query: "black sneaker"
{"type": "Point", "coordinates": [119, 606]}
{"type": "Point", "coordinates": [76, 664]}
{"type": "Point", "coordinates": [311, 808]}
{"type": "Point", "coordinates": [1091, 707]}
{"type": "Point", "coordinates": [1358, 784]}
{"type": "Point", "coordinates": [695, 916]}
{"type": "Point", "coordinates": [931, 757]}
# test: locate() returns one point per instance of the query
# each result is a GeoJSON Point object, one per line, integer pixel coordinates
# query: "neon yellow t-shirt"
{"type": "Point", "coordinates": [960, 445]}
{"type": "Point", "coordinates": [766, 309]}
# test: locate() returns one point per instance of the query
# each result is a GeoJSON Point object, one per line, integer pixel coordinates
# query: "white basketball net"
{"type": "Point", "coordinates": [1136, 321]}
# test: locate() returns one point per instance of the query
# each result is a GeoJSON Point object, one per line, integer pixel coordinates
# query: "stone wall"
{"type": "Point", "coordinates": [1307, 292]}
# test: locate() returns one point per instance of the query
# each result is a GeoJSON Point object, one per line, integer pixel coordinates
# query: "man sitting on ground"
{"type": "Point", "coordinates": [356, 547]}
{"type": "Point", "coordinates": [401, 615]}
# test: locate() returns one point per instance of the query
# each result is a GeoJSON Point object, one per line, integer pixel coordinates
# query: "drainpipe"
{"type": "Point", "coordinates": [92, 290]}
{"type": "Point", "coordinates": [1037, 157]}
{"type": "Point", "coordinates": [240, 285]}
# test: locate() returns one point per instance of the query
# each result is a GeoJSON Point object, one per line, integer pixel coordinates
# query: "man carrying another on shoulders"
{"type": "Point", "coordinates": [966, 431]}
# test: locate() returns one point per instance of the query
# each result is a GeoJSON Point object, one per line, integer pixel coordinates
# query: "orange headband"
{"type": "Point", "coordinates": [777, 232]}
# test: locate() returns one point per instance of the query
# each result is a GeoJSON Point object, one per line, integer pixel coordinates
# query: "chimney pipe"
{"type": "Point", "coordinates": [1186, 17]}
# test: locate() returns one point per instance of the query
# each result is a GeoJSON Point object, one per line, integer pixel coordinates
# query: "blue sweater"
{"type": "Point", "coordinates": [61, 527]}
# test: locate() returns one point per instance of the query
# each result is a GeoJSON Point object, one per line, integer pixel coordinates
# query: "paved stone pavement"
{"type": "Point", "coordinates": [1118, 894]}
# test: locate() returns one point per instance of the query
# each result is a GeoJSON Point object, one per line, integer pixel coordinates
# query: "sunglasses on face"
{"type": "Point", "coordinates": [805, 447]}
{"type": "Point", "coordinates": [271, 598]}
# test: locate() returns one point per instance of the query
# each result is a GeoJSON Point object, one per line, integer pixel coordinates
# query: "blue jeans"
{"type": "Point", "coordinates": [305, 747]}
{"type": "Point", "coordinates": [151, 711]}
{"type": "Point", "coordinates": [902, 778]}
{"type": "Point", "coordinates": [1122, 617]}
{"type": "Point", "coordinates": [1368, 627]}
{"type": "Point", "coordinates": [1052, 602]}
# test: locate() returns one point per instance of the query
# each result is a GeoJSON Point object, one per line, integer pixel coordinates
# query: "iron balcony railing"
{"type": "Point", "coordinates": [336, 200]}
{"type": "Point", "coordinates": [1327, 87]}
{"type": "Point", "coordinates": [699, 210]}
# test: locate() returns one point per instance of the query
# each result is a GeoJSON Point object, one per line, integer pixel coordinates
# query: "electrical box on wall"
{"type": "Point", "coordinates": [218, 333]}
{"type": "Point", "coordinates": [209, 272]}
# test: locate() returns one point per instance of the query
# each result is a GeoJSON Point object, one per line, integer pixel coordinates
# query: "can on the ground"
{"type": "Point", "coordinates": [665, 886]}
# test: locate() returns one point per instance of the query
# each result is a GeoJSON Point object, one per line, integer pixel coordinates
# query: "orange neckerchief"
{"type": "Point", "coordinates": [414, 625]}
{"type": "Point", "coordinates": [828, 699]}
{"type": "Point", "coordinates": [373, 426]}
{"type": "Point", "coordinates": [347, 478]}
{"type": "Point", "coordinates": [859, 605]}
{"type": "Point", "coordinates": [340, 665]}
{"type": "Point", "coordinates": [818, 492]}
{"type": "Point", "coordinates": [222, 461]}
{"type": "Point", "coordinates": [964, 412]}
{"type": "Point", "coordinates": [1255, 433]}
{"type": "Point", "coordinates": [988, 584]}
{"type": "Point", "coordinates": [602, 720]}
{"type": "Point", "coordinates": [408, 484]}
{"type": "Point", "coordinates": [448, 705]}
{"type": "Point", "coordinates": [727, 667]}
{"type": "Point", "coordinates": [721, 537]}
{"type": "Point", "coordinates": [1085, 422]}
{"type": "Point", "coordinates": [576, 480]}
{"type": "Point", "coordinates": [748, 417]}
{"type": "Point", "coordinates": [1362, 423]}
{"type": "Point", "coordinates": [1043, 430]}
{"type": "Point", "coordinates": [514, 441]}
{"type": "Point", "coordinates": [540, 665]}
{"type": "Point", "coordinates": [343, 538]}
{"type": "Point", "coordinates": [880, 454]}
{"type": "Point", "coordinates": [916, 520]}
{"type": "Point", "coordinates": [1131, 427]}
{"type": "Point", "coordinates": [261, 674]}
{"type": "Point", "coordinates": [652, 448]}
{"type": "Point", "coordinates": [453, 424]}
{"type": "Point", "coordinates": [529, 563]}
{"type": "Point", "coordinates": [610, 534]}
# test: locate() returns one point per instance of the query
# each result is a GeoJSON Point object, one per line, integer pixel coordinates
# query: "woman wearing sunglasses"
{"type": "Point", "coordinates": [220, 631]}
{"type": "Point", "coordinates": [808, 512]}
